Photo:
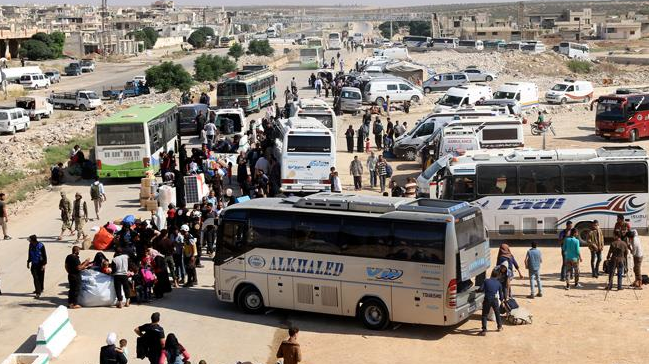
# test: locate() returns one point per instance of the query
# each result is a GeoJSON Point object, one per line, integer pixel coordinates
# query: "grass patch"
{"type": "Point", "coordinates": [577, 66]}
{"type": "Point", "coordinates": [14, 92]}
{"type": "Point", "coordinates": [26, 187]}
{"type": "Point", "coordinates": [61, 153]}
{"type": "Point", "coordinates": [10, 177]}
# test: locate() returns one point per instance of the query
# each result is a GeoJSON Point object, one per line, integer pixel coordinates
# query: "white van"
{"type": "Point", "coordinates": [35, 81]}
{"type": "Point", "coordinates": [457, 97]}
{"type": "Point", "coordinates": [394, 53]}
{"type": "Point", "coordinates": [13, 119]}
{"type": "Point", "coordinates": [570, 91]}
{"type": "Point", "coordinates": [526, 94]}
{"type": "Point", "coordinates": [377, 90]}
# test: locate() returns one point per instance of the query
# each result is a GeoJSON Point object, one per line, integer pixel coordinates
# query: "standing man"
{"type": "Point", "coordinates": [120, 277]}
{"type": "Point", "coordinates": [562, 235]}
{"type": "Point", "coordinates": [349, 137]}
{"type": "Point", "coordinates": [377, 130]}
{"type": "Point", "coordinates": [74, 267]}
{"type": "Point", "coordinates": [120, 97]}
{"type": "Point", "coordinates": [289, 349]}
{"type": "Point", "coordinates": [382, 172]}
{"type": "Point", "coordinates": [636, 251]}
{"type": "Point", "coordinates": [491, 287]}
{"type": "Point", "coordinates": [79, 216]}
{"type": "Point", "coordinates": [97, 195]}
{"type": "Point", "coordinates": [154, 336]}
{"type": "Point", "coordinates": [572, 257]}
{"type": "Point", "coordinates": [617, 253]}
{"type": "Point", "coordinates": [210, 131]}
{"type": "Point", "coordinates": [371, 167]}
{"type": "Point", "coordinates": [37, 256]}
{"type": "Point", "coordinates": [4, 217]}
{"type": "Point", "coordinates": [356, 170]}
{"type": "Point", "coordinates": [293, 86]}
{"type": "Point", "coordinates": [318, 87]}
{"type": "Point", "coordinates": [65, 206]}
{"type": "Point", "coordinates": [596, 246]}
{"type": "Point", "coordinates": [533, 262]}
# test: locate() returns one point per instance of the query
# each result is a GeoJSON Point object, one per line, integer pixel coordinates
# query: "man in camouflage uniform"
{"type": "Point", "coordinates": [79, 216]}
{"type": "Point", "coordinates": [65, 206]}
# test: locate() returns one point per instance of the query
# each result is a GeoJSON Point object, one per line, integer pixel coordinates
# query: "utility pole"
{"type": "Point", "coordinates": [390, 29]}
{"type": "Point", "coordinates": [102, 42]}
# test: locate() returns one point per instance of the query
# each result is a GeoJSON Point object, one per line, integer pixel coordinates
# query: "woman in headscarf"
{"type": "Point", "coordinates": [173, 352]}
{"type": "Point", "coordinates": [162, 285]}
{"type": "Point", "coordinates": [108, 354]}
{"type": "Point", "coordinates": [506, 258]}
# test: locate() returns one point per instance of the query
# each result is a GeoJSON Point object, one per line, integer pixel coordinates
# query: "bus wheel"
{"type": "Point", "coordinates": [373, 314]}
{"type": "Point", "coordinates": [633, 136]}
{"type": "Point", "coordinates": [250, 300]}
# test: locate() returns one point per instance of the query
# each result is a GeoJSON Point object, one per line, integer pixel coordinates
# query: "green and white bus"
{"type": "Point", "coordinates": [128, 143]}
{"type": "Point", "coordinates": [253, 87]}
{"type": "Point", "coordinates": [310, 58]}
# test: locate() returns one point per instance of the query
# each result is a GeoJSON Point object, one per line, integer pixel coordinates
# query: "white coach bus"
{"type": "Point", "coordinates": [379, 259]}
{"type": "Point", "coordinates": [306, 150]}
{"type": "Point", "coordinates": [531, 194]}
{"type": "Point", "coordinates": [334, 41]}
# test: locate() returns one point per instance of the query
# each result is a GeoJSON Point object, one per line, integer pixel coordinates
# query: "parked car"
{"type": "Point", "coordinates": [73, 69]}
{"type": "Point", "coordinates": [13, 119]}
{"type": "Point", "coordinates": [141, 79]}
{"type": "Point", "coordinates": [35, 81]}
{"type": "Point", "coordinates": [87, 65]}
{"type": "Point", "coordinates": [187, 118]}
{"type": "Point", "coordinates": [444, 81]}
{"type": "Point", "coordinates": [476, 74]}
{"type": "Point", "coordinates": [54, 76]}
{"type": "Point", "coordinates": [378, 89]}
{"type": "Point", "coordinates": [81, 99]}
{"type": "Point", "coordinates": [570, 91]}
{"type": "Point", "coordinates": [351, 100]}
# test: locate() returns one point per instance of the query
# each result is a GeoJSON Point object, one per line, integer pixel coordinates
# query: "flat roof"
{"type": "Point", "coordinates": [138, 114]}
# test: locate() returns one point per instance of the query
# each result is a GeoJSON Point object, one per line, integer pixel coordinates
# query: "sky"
{"type": "Point", "coordinates": [226, 3]}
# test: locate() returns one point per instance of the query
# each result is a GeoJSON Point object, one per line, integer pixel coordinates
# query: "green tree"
{"type": "Point", "coordinates": [419, 28]}
{"type": "Point", "coordinates": [57, 44]}
{"type": "Point", "coordinates": [197, 39]}
{"type": "Point", "coordinates": [151, 34]}
{"type": "Point", "coordinates": [167, 76]}
{"type": "Point", "coordinates": [236, 51]}
{"type": "Point", "coordinates": [260, 48]}
{"type": "Point", "coordinates": [35, 50]}
{"type": "Point", "coordinates": [211, 68]}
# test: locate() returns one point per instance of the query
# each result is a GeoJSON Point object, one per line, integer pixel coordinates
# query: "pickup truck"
{"type": "Point", "coordinates": [81, 99]}
{"type": "Point", "coordinates": [130, 89]}
{"type": "Point", "coordinates": [73, 69]}
{"type": "Point", "coordinates": [87, 65]}
{"type": "Point", "coordinates": [36, 106]}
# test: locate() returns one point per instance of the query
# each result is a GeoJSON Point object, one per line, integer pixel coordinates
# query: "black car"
{"type": "Point", "coordinates": [187, 118]}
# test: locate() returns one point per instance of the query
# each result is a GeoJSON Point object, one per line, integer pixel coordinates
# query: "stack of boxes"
{"type": "Point", "coordinates": [147, 193]}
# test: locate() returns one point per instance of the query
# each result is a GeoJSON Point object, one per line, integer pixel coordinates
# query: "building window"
{"type": "Point", "coordinates": [610, 30]}
{"type": "Point", "coordinates": [482, 33]}
{"type": "Point", "coordinates": [494, 33]}
{"type": "Point", "coordinates": [632, 32]}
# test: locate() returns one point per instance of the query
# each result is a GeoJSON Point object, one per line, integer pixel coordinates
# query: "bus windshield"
{"type": "Point", "coordinates": [611, 110]}
{"type": "Point", "coordinates": [232, 89]}
{"type": "Point", "coordinates": [309, 144]}
{"type": "Point", "coordinates": [120, 134]}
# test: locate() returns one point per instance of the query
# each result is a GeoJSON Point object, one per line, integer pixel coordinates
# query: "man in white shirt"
{"type": "Point", "coordinates": [210, 132]}
{"type": "Point", "coordinates": [97, 195]}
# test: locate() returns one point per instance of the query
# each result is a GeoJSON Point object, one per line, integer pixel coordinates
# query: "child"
{"type": "Point", "coordinates": [367, 145]}
{"type": "Point", "coordinates": [122, 347]}
{"type": "Point", "coordinates": [105, 267]}
{"type": "Point", "coordinates": [147, 279]}
{"type": "Point", "coordinates": [229, 172]}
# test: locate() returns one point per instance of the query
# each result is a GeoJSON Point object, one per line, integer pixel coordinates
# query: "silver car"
{"type": "Point", "coordinates": [476, 74]}
{"type": "Point", "coordinates": [351, 100]}
{"type": "Point", "coordinates": [444, 81]}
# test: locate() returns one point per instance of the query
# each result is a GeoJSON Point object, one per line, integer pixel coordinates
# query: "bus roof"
{"type": "Point", "coordinates": [303, 124]}
{"type": "Point", "coordinates": [137, 114]}
{"type": "Point", "coordinates": [378, 206]}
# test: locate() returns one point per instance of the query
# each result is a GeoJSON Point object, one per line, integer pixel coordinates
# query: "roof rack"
{"type": "Point", "coordinates": [622, 151]}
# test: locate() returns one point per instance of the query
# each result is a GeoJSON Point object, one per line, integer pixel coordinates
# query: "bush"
{"type": "Point", "coordinates": [577, 66]}
{"type": "Point", "coordinates": [147, 35]}
{"type": "Point", "coordinates": [236, 51]}
{"type": "Point", "coordinates": [167, 76]}
{"type": "Point", "coordinates": [211, 68]}
{"type": "Point", "coordinates": [417, 27]}
{"type": "Point", "coordinates": [198, 38]}
{"type": "Point", "coordinates": [35, 50]}
{"type": "Point", "coordinates": [260, 48]}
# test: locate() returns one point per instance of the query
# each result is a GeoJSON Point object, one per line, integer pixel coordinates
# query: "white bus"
{"type": "Point", "coordinates": [318, 109]}
{"type": "Point", "coordinates": [574, 50]}
{"type": "Point", "coordinates": [335, 41]}
{"type": "Point", "coordinates": [310, 58]}
{"type": "Point", "coordinates": [417, 43]}
{"type": "Point", "coordinates": [472, 45]}
{"type": "Point", "coordinates": [358, 38]}
{"type": "Point", "coordinates": [306, 150]}
{"type": "Point", "coordinates": [379, 259]}
{"type": "Point", "coordinates": [272, 32]}
{"type": "Point", "coordinates": [443, 43]}
{"type": "Point", "coordinates": [531, 194]}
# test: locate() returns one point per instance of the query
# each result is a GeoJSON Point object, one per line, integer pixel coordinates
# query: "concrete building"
{"type": "Point", "coordinates": [620, 30]}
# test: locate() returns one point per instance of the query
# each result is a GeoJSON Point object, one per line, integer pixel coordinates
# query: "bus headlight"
{"type": "Point", "coordinates": [619, 130]}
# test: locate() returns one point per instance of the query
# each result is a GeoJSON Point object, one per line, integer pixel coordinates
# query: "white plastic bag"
{"type": "Point", "coordinates": [97, 289]}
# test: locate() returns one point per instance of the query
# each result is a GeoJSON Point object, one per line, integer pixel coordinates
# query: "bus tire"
{"type": "Point", "coordinates": [633, 136]}
{"type": "Point", "coordinates": [374, 314]}
{"type": "Point", "coordinates": [250, 300]}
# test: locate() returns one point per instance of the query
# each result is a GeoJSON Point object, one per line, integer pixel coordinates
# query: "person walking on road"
{"type": "Point", "coordinates": [572, 257]}
{"type": "Point", "coordinates": [491, 288]}
{"type": "Point", "coordinates": [120, 97]}
{"type": "Point", "coordinates": [120, 277]}
{"type": "Point", "coordinates": [210, 132]}
{"type": "Point", "coordinates": [79, 216]}
{"type": "Point", "coordinates": [356, 170]}
{"type": "Point", "coordinates": [153, 338]}
{"type": "Point", "coordinates": [289, 349]}
{"type": "Point", "coordinates": [349, 137]}
{"type": "Point", "coordinates": [4, 217]}
{"type": "Point", "coordinates": [562, 235]}
{"type": "Point", "coordinates": [74, 266]}
{"type": "Point", "coordinates": [371, 167]}
{"type": "Point", "coordinates": [318, 86]}
{"type": "Point", "coordinates": [97, 195]}
{"type": "Point", "coordinates": [533, 260]}
{"type": "Point", "coordinates": [617, 253]}
{"type": "Point", "coordinates": [37, 257]}
{"type": "Point", "coordinates": [377, 130]}
{"type": "Point", "coordinates": [596, 246]}
{"type": "Point", "coordinates": [382, 172]}
{"type": "Point", "coordinates": [65, 206]}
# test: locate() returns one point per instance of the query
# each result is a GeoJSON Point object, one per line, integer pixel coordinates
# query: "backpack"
{"type": "Point", "coordinates": [147, 275]}
{"type": "Point", "coordinates": [94, 192]}
{"type": "Point", "coordinates": [388, 170]}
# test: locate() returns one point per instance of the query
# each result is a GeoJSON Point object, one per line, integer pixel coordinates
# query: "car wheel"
{"type": "Point", "coordinates": [35, 87]}
{"type": "Point", "coordinates": [379, 101]}
{"type": "Point", "coordinates": [374, 315]}
{"type": "Point", "coordinates": [13, 131]}
{"type": "Point", "coordinates": [410, 154]}
{"type": "Point", "coordinates": [489, 78]}
{"type": "Point", "coordinates": [427, 90]}
{"type": "Point", "coordinates": [250, 300]}
{"type": "Point", "coordinates": [83, 107]}
{"type": "Point", "coordinates": [564, 101]}
{"type": "Point", "coordinates": [414, 99]}
{"type": "Point", "coordinates": [633, 136]}
{"type": "Point", "coordinates": [27, 126]}
{"type": "Point", "coordinates": [587, 100]}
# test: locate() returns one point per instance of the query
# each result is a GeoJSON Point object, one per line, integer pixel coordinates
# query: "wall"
{"type": "Point", "coordinates": [163, 42]}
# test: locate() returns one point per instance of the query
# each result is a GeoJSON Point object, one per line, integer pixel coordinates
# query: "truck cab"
{"type": "Point", "coordinates": [87, 65]}
{"type": "Point", "coordinates": [73, 69]}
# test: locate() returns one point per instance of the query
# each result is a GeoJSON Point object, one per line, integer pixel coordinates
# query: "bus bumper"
{"type": "Point", "coordinates": [121, 173]}
{"type": "Point", "coordinates": [299, 188]}
{"type": "Point", "coordinates": [462, 313]}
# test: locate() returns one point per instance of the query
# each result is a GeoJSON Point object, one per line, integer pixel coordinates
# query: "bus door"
{"type": "Point", "coordinates": [230, 256]}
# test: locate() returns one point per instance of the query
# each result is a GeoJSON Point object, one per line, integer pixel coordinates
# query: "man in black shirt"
{"type": "Point", "coordinates": [74, 267]}
{"type": "Point", "coordinates": [153, 336]}
{"type": "Point", "coordinates": [37, 257]}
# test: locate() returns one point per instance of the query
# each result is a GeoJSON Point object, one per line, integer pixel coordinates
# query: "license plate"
{"type": "Point", "coordinates": [472, 307]}
{"type": "Point", "coordinates": [307, 181]}
{"type": "Point", "coordinates": [606, 134]}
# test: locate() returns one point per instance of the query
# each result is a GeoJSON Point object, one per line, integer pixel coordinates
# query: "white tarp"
{"type": "Point", "coordinates": [97, 289]}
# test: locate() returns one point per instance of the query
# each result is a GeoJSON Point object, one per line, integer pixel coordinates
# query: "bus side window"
{"type": "Point", "coordinates": [314, 233]}
{"type": "Point", "coordinates": [497, 180]}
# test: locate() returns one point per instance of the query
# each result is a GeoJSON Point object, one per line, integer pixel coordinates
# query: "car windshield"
{"type": "Point", "coordinates": [92, 95]}
{"type": "Point", "coordinates": [187, 113]}
{"type": "Point", "coordinates": [450, 100]}
{"type": "Point", "coordinates": [434, 168]}
{"type": "Point", "coordinates": [120, 134]}
{"type": "Point", "coordinates": [560, 87]}
{"type": "Point", "coordinates": [504, 95]}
